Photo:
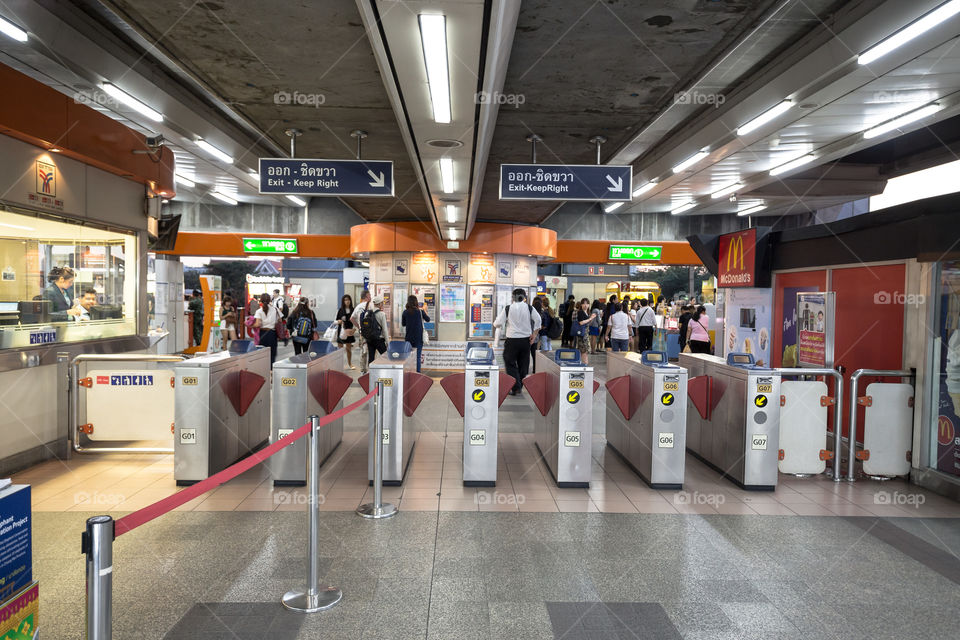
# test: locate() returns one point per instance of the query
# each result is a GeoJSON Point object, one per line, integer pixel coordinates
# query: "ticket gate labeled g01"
{"type": "Point", "coordinates": [221, 409]}
{"type": "Point", "coordinates": [734, 421]}
{"type": "Point", "coordinates": [312, 383]}
{"type": "Point", "coordinates": [477, 394]}
{"type": "Point", "coordinates": [403, 390]}
{"type": "Point", "coordinates": [647, 415]}
{"type": "Point", "coordinates": [562, 390]}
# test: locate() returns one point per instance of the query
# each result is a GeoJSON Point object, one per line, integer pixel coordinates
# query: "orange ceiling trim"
{"type": "Point", "coordinates": [487, 236]}
{"type": "Point", "coordinates": [48, 119]}
{"type": "Point", "coordinates": [193, 243]}
{"type": "Point", "coordinates": [598, 252]}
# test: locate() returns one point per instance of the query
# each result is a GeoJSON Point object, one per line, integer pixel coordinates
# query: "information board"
{"type": "Point", "coordinates": [453, 302]}
{"type": "Point", "coordinates": [16, 544]}
{"type": "Point", "coordinates": [427, 294]}
{"type": "Point", "coordinates": [480, 324]}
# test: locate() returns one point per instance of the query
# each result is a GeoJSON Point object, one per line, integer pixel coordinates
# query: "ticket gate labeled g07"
{"type": "Point", "coordinates": [403, 390]}
{"type": "Point", "coordinates": [562, 391]}
{"type": "Point", "coordinates": [312, 383]}
{"type": "Point", "coordinates": [647, 415]}
{"type": "Point", "coordinates": [477, 394]}
{"type": "Point", "coordinates": [222, 409]}
{"type": "Point", "coordinates": [735, 415]}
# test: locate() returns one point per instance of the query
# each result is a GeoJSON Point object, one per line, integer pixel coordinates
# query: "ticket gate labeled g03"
{"type": "Point", "coordinates": [647, 415]}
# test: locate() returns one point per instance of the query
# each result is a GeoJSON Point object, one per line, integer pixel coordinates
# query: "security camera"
{"type": "Point", "coordinates": [155, 142]}
{"type": "Point", "coordinates": [733, 197]}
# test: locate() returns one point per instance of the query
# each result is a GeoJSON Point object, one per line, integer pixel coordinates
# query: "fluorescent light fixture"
{"type": "Point", "coordinates": [452, 233]}
{"type": "Point", "coordinates": [793, 164]}
{"type": "Point", "coordinates": [123, 97]}
{"type": "Point", "coordinates": [446, 174]}
{"type": "Point", "coordinates": [433, 35]}
{"type": "Point", "coordinates": [15, 226]}
{"type": "Point", "coordinates": [692, 160]}
{"type": "Point", "coordinates": [727, 190]}
{"type": "Point", "coordinates": [900, 121]}
{"type": "Point", "coordinates": [216, 153]}
{"type": "Point", "coordinates": [613, 206]}
{"type": "Point", "coordinates": [753, 209]}
{"type": "Point", "coordinates": [255, 176]}
{"type": "Point", "coordinates": [686, 206]}
{"type": "Point", "coordinates": [764, 117]}
{"type": "Point", "coordinates": [642, 189]}
{"type": "Point", "coordinates": [222, 197]}
{"type": "Point", "coordinates": [943, 12]}
{"type": "Point", "coordinates": [451, 214]}
{"type": "Point", "coordinates": [13, 31]}
{"type": "Point", "coordinates": [300, 202]}
{"type": "Point", "coordinates": [187, 182]}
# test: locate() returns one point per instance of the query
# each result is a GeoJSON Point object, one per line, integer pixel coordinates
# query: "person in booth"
{"type": "Point", "coordinates": [522, 330]}
{"type": "Point", "coordinates": [59, 292]}
{"type": "Point", "coordinates": [85, 304]}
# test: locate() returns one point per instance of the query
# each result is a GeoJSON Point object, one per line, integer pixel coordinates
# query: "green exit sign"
{"type": "Point", "coordinates": [270, 245]}
{"type": "Point", "coordinates": [634, 252]}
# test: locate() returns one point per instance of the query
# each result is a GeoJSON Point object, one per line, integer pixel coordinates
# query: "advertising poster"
{"type": "Point", "coordinates": [453, 302]}
{"type": "Point", "coordinates": [948, 370]}
{"type": "Point", "coordinates": [481, 269]}
{"type": "Point", "coordinates": [427, 295]}
{"type": "Point", "coordinates": [399, 304]}
{"type": "Point", "coordinates": [424, 268]}
{"type": "Point", "coordinates": [20, 615]}
{"type": "Point", "coordinates": [788, 333]}
{"type": "Point", "coordinates": [452, 271]}
{"type": "Point", "coordinates": [748, 316]}
{"type": "Point", "coordinates": [504, 269]}
{"type": "Point", "coordinates": [16, 555]}
{"type": "Point", "coordinates": [481, 311]}
{"type": "Point", "coordinates": [811, 329]}
{"type": "Point", "coordinates": [385, 290]}
{"type": "Point", "coordinates": [401, 267]}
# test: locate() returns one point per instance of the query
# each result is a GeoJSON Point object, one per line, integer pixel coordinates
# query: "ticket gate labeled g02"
{"type": "Point", "coordinates": [222, 409]}
{"type": "Point", "coordinates": [403, 390]}
{"type": "Point", "coordinates": [312, 383]}
{"type": "Point", "coordinates": [562, 391]}
{"type": "Point", "coordinates": [477, 394]}
{"type": "Point", "coordinates": [647, 415]}
{"type": "Point", "coordinates": [736, 412]}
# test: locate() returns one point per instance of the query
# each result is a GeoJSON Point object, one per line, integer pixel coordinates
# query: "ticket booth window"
{"type": "Point", "coordinates": [61, 281]}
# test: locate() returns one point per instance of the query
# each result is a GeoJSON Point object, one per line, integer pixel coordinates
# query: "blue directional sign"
{"type": "Point", "coordinates": [591, 182]}
{"type": "Point", "coordinates": [306, 177]}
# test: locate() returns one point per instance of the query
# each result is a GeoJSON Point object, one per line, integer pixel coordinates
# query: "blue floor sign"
{"type": "Point", "coordinates": [566, 182]}
{"type": "Point", "coordinates": [306, 177]}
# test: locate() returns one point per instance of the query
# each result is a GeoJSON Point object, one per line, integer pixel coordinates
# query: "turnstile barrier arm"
{"type": "Point", "coordinates": [854, 389]}
{"type": "Point", "coordinates": [837, 410]}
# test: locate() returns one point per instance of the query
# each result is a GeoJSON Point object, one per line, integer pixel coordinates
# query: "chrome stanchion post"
{"type": "Point", "coordinates": [315, 598]}
{"type": "Point", "coordinates": [837, 426]}
{"type": "Point", "coordinates": [97, 545]}
{"type": "Point", "coordinates": [376, 509]}
{"type": "Point", "coordinates": [852, 426]}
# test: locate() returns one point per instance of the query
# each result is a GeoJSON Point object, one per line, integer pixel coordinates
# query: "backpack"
{"type": "Point", "coordinates": [369, 327]}
{"type": "Point", "coordinates": [554, 328]}
{"type": "Point", "coordinates": [304, 327]}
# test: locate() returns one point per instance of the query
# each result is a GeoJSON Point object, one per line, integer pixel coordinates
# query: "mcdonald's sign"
{"type": "Point", "coordinates": [738, 259]}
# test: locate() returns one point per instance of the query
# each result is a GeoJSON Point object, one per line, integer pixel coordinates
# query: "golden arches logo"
{"type": "Point", "coordinates": [734, 249]}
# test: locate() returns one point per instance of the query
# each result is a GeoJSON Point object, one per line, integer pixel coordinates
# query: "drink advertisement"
{"type": "Point", "coordinates": [814, 330]}
{"type": "Point", "coordinates": [748, 316]}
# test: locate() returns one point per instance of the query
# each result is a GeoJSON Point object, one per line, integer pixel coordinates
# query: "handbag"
{"type": "Point", "coordinates": [687, 349]}
{"type": "Point", "coordinates": [426, 336]}
{"type": "Point", "coordinates": [330, 333]}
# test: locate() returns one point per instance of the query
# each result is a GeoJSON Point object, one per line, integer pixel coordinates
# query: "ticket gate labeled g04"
{"type": "Point", "coordinates": [562, 390]}
{"type": "Point", "coordinates": [647, 415]}
{"type": "Point", "coordinates": [312, 383]}
{"type": "Point", "coordinates": [477, 394]}
{"type": "Point", "coordinates": [734, 421]}
{"type": "Point", "coordinates": [222, 409]}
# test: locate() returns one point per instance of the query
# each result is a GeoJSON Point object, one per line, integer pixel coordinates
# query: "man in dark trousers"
{"type": "Point", "coordinates": [646, 321]}
{"type": "Point", "coordinates": [519, 323]}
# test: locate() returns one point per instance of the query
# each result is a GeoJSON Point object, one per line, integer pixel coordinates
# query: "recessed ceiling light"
{"type": "Point", "coordinates": [452, 234]}
{"type": "Point", "coordinates": [445, 144]}
{"type": "Point", "coordinates": [793, 164]}
{"type": "Point", "coordinates": [446, 174]}
{"type": "Point", "coordinates": [300, 202]}
{"type": "Point", "coordinates": [901, 121]}
{"type": "Point", "coordinates": [433, 37]}
{"type": "Point", "coordinates": [727, 190]}
{"type": "Point", "coordinates": [222, 197]}
{"type": "Point", "coordinates": [753, 209]}
{"type": "Point", "coordinates": [646, 186]}
{"type": "Point", "coordinates": [13, 31]}
{"type": "Point", "coordinates": [451, 214]}
{"type": "Point", "coordinates": [187, 182]}
{"type": "Point", "coordinates": [686, 206]}
{"type": "Point", "coordinates": [119, 94]}
{"type": "Point", "coordinates": [692, 160]}
{"type": "Point", "coordinates": [764, 117]}
{"type": "Point", "coordinates": [613, 206]}
{"type": "Point", "coordinates": [213, 151]}
{"type": "Point", "coordinates": [943, 12]}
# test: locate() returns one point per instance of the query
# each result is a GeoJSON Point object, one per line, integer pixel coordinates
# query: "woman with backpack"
{"type": "Point", "coordinates": [346, 330]}
{"type": "Point", "coordinates": [698, 336]}
{"type": "Point", "coordinates": [373, 328]}
{"type": "Point", "coordinates": [302, 324]}
{"type": "Point", "coordinates": [413, 318]}
{"type": "Point", "coordinates": [266, 320]}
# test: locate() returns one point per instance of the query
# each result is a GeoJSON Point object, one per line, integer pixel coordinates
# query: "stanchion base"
{"type": "Point", "coordinates": [304, 603]}
{"type": "Point", "coordinates": [370, 511]}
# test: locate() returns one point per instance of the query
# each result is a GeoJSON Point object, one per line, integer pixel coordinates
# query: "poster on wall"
{"type": "Point", "coordinates": [399, 304]}
{"type": "Point", "coordinates": [947, 361]}
{"type": "Point", "coordinates": [481, 311]}
{"type": "Point", "coordinates": [453, 302]}
{"type": "Point", "coordinates": [424, 268]}
{"type": "Point", "coordinates": [386, 291]}
{"type": "Point", "coordinates": [788, 332]}
{"type": "Point", "coordinates": [427, 295]}
{"type": "Point", "coordinates": [748, 318]}
{"type": "Point", "coordinates": [401, 267]}
{"type": "Point", "coordinates": [452, 271]}
{"type": "Point", "coordinates": [481, 270]}
{"type": "Point", "coordinates": [504, 269]}
{"type": "Point", "coordinates": [502, 298]}
{"type": "Point", "coordinates": [525, 272]}
{"type": "Point", "coordinates": [814, 315]}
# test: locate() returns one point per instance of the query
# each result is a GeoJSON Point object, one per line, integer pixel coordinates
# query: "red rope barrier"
{"type": "Point", "coordinates": [133, 520]}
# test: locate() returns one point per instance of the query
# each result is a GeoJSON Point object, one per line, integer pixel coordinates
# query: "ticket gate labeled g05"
{"type": "Point", "coordinates": [222, 409]}
{"type": "Point", "coordinates": [312, 383]}
{"type": "Point", "coordinates": [562, 390]}
{"type": "Point", "coordinates": [477, 394]}
{"type": "Point", "coordinates": [734, 421]}
{"type": "Point", "coordinates": [403, 390]}
{"type": "Point", "coordinates": [647, 415]}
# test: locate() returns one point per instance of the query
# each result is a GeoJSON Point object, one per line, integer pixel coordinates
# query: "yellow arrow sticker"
{"type": "Point", "coordinates": [573, 397]}
{"type": "Point", "coordinates": [760, 401]}
{"type": "Point", "coordinates": [478, 395]}
{"type": "Point", "coordinates": [667, 399]}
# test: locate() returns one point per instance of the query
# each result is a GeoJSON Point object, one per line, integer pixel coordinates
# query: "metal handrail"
{"type": "Point", "coordinates": [854, 381]}
{"type": "Point", "coordinates": [838, 407]}
{"type": "Point", "coordinates": [73, 427]}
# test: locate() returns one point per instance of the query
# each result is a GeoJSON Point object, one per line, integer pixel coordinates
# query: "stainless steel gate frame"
{"type": "Point", "coordinates": [837, 408]}
{"type": "Point", "coordinates": [854, 381]}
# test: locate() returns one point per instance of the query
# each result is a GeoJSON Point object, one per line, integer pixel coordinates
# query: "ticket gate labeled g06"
{"type": "Point", "coordinates": [221, 409]}
{"type": "Point", "coordinates": [312, 383]}
{"type": "Point", "coordinates": [733, 423]}
{"type": "Point", "coordinates": [562, 390]}
{"type": "Point", "coordinates": [647, 415]}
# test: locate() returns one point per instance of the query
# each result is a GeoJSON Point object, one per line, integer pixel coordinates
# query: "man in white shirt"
{"type": "Point", "coordinates": [618, 329]}
{"type": "Point", "coordinates": [646, 321]}
{"type": "Point", "coordinates": [84, 304]}
{"type": "Point", "coordinates": [360, 309]}
{"type": "Point", "coordinates": [521, 327]}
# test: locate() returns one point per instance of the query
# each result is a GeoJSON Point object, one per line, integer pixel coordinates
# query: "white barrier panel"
{"type": "Point", "coordinates": [888, 429]}
{"type": "Point", "coordinates": [130, 405]}
{"type": "Point", "coordinates": [803, 426]}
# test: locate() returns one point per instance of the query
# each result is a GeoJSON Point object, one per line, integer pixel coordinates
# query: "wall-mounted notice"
{"type": "Point", "coordinates": [453, 271]}
{"type": "Point", "coordinates": [453, 302]}
{"type": "Point", "coordinates": [424, 268]}
{"type": "Point", "coordinates": [482, 269]}
{"type": "Point", "coordinates": [427, 294]}
{"type": "Point", "coordinates": [401, 267]}
{"type": "Point", "coordinates": [504, 269]}
{"type": "Point", "coordinates": [815, 312]}
{"type": "Point", "coordinates": [525, 271]}
{"type": "Point", "coordinates": [381, 267]}
{"type": "Point", "coordinates": [481, 311]}
{"type": "Point", "coordinates": [399, 304]}
{"type": "Point", "coordinates": [385, 290]}
{"type": "Point", "coordinates": [449, 356]}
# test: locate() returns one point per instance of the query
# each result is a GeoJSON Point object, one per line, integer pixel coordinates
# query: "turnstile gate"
{"type": "Point", "coordinates": [647, 415]}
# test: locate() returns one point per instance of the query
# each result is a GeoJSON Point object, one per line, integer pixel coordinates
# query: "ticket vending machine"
{"type": "Point", "coordinates": [477, 394]}
{"type": "Point", "coordinates": [647, 415]}
{"type": "Point", "coordinates": [562, 391]}
{"type": "Point", "coordinates": [736, 409]}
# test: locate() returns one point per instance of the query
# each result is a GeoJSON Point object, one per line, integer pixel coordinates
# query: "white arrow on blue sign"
{"type": "Point", "coordinates": [591, 182]}
{"type": "Point", "coordinates": [339, 178]}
